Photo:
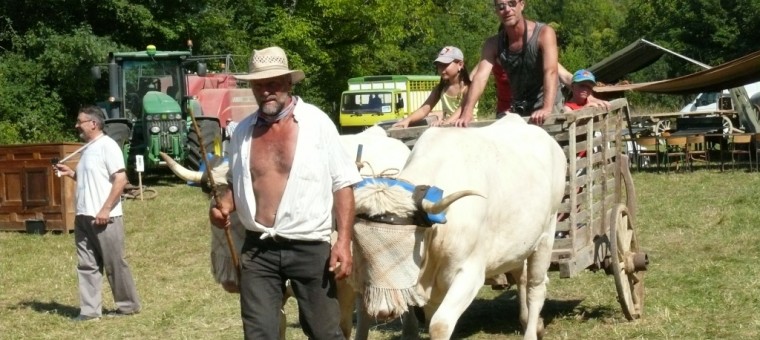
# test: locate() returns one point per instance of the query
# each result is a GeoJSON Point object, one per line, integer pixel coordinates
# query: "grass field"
{"type": "Point", "coordinates": [700, 229]}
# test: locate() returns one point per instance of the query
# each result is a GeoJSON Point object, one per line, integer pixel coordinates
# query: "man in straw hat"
{"type": "Point", "coordinates": [288, 174]}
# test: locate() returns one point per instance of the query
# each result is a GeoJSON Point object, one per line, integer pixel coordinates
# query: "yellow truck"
{"type": "Point", "coordinates": [383, 99]}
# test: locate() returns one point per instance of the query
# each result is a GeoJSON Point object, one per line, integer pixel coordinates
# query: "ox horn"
{"type": "Point", "coordinates": [447, 201]}
{"type": "Point", "coordinates": [179, 170]}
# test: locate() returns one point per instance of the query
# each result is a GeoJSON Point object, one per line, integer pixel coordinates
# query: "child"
{"type": "Point", "coordinates": [583, 87]}
{"type": "Point", "coordinates": [450, 90]}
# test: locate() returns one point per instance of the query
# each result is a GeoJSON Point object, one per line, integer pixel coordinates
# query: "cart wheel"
{"type": "Point", "coordinates": [728, 127]}
{"type": "Point", "coordinates": [662, 126]}
{"type": "Point", "coordinates": [630, 189]}
{"type": "Point", "coordinates": [628, 263]}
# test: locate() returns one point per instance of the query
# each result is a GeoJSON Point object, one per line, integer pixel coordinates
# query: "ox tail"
{"type": "Point", "coordinates": [441, 205]}
{"type": "Point", "coordinates": [181, 172]}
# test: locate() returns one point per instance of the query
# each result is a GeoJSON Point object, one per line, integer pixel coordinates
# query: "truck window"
{"type": "Point", "coordinates": [707, 98]}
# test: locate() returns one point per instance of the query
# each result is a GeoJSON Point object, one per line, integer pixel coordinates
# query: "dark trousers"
{"type": "Point", "coordinates": [266, 265]}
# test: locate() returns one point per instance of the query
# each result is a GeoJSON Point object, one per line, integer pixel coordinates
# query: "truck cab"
{"type": "Point", "coordinates": [382, 99]}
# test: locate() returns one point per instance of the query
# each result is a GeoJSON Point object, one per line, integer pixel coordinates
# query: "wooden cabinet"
{"type": "Point", "coordinates": [30, 190]}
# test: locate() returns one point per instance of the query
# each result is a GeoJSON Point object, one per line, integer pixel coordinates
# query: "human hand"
{"type": "Point", "coordinates": [403, 124]}
{"type": "Point", "coordinates": [219, 217]}
{"type": "Point", "coordinates": [539, 117]}
{"type": "Point", "coordinates": [437, 123]}
{"type": "Point", "coordinates": [63, 170]}
{"type": "Point", "coordinates": [102, 218]}
{"type": "Point", "coordinates": [341, 262]}
{"type": "Point", "coordinates": [595, 102]}
{"type": "Point", "coordinates": [463, 122]}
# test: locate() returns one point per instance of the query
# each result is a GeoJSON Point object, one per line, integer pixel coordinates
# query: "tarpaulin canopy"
{"type": "Point", "coordinates": [632, 58]}
{"type": "Point", "coordinates": [732, 74]}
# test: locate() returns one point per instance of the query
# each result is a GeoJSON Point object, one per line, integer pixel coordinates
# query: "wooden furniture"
{"type": "Point", "coordinates": [676, 147]}
{"type": "Point", "coordinates": [696, 146]}
{"type": "Point", "coordinates": [649, 148]}
{"type": "Point", "coordinates": [740, 144]}
{"type": "Point", "coordinates": [30, 192]}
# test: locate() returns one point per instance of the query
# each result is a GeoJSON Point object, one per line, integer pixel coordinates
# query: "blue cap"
{"type": "Point", "coordinates": [583, 75]}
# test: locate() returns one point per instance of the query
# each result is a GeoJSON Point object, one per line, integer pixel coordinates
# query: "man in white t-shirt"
{"type": "Point", "coordinates": [99, 227]}
{"type": "Point", "coordinates": [288, 174]}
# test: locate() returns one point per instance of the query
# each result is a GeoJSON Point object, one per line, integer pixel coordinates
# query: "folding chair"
{"type": "Point", "coordinates": [648, 148]}
{"type": "Point", "coordinates": [740, 144]}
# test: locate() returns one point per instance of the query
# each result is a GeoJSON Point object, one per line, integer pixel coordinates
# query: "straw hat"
{"type": "Point", "coordinates": [268, 63]}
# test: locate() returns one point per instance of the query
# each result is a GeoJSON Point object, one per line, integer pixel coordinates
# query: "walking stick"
{"type": "Point", "coordinates": [215, 195]}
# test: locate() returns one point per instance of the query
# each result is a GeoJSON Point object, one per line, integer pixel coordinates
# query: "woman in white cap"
{"type": "Point", "coordinates": [455, 80]}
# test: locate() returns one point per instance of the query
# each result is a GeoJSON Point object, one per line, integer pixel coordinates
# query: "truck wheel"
{"type": "Point", "coordinates": [211, 133]}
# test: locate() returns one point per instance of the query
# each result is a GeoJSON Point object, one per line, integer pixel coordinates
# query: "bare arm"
{"type": "Point", "coordinates": [565, 77]}
{"type": "Point", "coordinates": [341, 262]}
{"type": "Point", "coordinates": [118, 182]}
{"type": "Point", "coordinates": [479, 80]}
{"type": "Point", "coordinates": [423, 111]}
{"type": "Point", "coordinates": [547, 42]}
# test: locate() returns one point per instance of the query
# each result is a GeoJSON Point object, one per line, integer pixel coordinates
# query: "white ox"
{"type": "Point", "coordinates": [518, 169]}
{"type": "Point", "coordinates": [380, 155]}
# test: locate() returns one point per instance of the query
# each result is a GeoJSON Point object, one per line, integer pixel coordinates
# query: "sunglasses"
{"type": "Point", "coordinates": [501, 6]}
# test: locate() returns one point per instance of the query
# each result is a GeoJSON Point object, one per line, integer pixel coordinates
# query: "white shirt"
{"type": "Point", "coordinates": [98, 162]}
{"type": "Point", "coordinates": [320, 167]}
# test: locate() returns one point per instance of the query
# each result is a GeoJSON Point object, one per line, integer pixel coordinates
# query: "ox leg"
{"type": "Point", "coordinates": [459, 295]}
{"type": "Point", "coordinates": [363, 320]}
{"type": "Point", "coordinates": [522, 293]}
{"type": "Point", "coordinates": [409, 325]}
{"type": "Point", "coordinates": [346, 300]}
{"type": "Point", "coordinates": [537, 266]}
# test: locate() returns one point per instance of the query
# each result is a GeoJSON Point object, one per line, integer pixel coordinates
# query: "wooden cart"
{"type": "Point", "coordinates": [596, 228]}
{"type": "Point", "coordinates": [657, 123]}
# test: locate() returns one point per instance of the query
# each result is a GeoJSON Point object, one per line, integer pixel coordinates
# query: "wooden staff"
{"type": "Point", "coordinates": [215, 195]}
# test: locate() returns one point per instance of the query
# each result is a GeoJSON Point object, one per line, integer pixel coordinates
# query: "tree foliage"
{"type": "Point", "coordinates": [45, 58]}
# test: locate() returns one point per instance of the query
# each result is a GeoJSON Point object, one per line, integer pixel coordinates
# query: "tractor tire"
{"type": "Point", "coordinates": [119, 132]}
{"type": "Point", "coordinates": [211, 133]}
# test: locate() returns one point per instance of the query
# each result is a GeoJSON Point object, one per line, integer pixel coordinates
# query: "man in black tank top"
{"type": "Point", "coordinates": [527, 50]}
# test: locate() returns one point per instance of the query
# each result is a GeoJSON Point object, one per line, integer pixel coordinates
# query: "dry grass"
{"type": "Point", "coordinates": [699, 229]}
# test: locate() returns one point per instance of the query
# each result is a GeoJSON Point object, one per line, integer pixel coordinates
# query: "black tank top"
{"type": "Point", "coordinates": [525, 70]}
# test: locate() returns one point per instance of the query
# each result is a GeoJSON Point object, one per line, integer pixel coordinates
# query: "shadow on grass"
{"type": "Point", "coordinates": [51, 307]}
{"type": "Point", "coordinates": [501, 315]}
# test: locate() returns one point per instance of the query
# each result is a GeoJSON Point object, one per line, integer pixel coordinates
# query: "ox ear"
{"type": "Point", "coordinates": [444, 203]}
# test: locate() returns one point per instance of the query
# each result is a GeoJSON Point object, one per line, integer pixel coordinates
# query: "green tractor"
{"type": "Point", "coordinates": [150, 105]}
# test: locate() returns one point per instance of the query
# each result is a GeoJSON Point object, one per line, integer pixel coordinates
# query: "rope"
{"type": "Point", "coordinates": [133, 192]}
{"type": "Point", "coordinates": [390, 172]}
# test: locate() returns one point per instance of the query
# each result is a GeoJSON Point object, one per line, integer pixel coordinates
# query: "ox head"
{"type": "Point", "coordinates": [219, 169]}
{"type": "Point", "coordinates": [392, 217]}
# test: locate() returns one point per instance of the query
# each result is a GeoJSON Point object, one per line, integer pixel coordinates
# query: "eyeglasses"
{"type": "Point", "coordinates": [501, 6]}
{"type": "Point", "coordinates": [80, 122]}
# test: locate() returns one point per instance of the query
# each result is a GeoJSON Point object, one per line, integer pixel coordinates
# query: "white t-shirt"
{"type": "Point", "coordinates": [98, 162]}
{"type": "Point", "coordinates": [320, 167]}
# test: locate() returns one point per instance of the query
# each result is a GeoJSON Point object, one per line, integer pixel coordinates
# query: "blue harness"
{"type": "Point", "coordinates": [419, 193]}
